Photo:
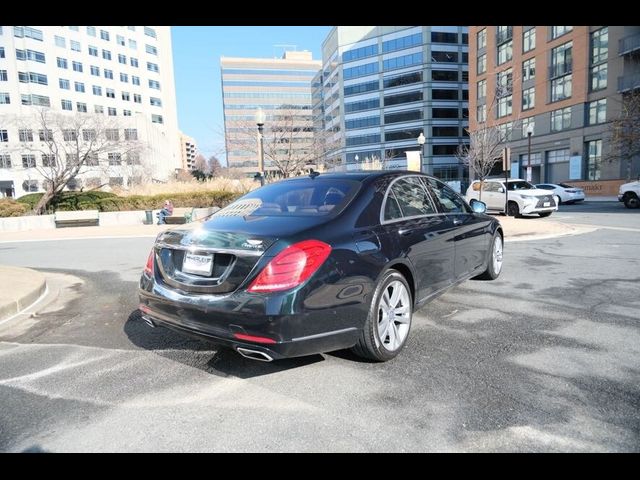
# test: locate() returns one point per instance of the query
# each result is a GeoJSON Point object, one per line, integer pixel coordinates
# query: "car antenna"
{"type": "Point", "coordinates": [313, 173]}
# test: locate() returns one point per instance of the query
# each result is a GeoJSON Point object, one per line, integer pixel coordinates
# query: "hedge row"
{"type": "Point", "coordinates": [11, 208]}
{"type": "Point", "coordinates": [109, 202]}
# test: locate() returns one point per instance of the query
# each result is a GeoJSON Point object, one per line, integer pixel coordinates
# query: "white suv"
{"type": "Point", "coordinates": [629, 193]}
{"type": "Point", "coordinates": [523, 197]}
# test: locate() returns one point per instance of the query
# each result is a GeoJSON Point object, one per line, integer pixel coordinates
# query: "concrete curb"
{"type": "Point", "coordinates": [16, 301]}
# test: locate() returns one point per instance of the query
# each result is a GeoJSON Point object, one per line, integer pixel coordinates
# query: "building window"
{"type": "Point", "coordinates": [156, 119]}
{"type": "Point", "coordinates": [91, 31]}
{"type": "Point", "coordinates": [151, 49]}
{"type": "Point", "coordinates": [598, 111]}
{"type": "Point", "coordinates": [75, 46]}
{"type": "Point", "coordinates": [482, 38]}
{"type": "Point", "coordinates": [361, 52]}
{"type": "Point", "coordinates": [135, 80]}
{"type": "Point", "coordinates": [95, 70]}
{"type": "Point", "coordinates": [445, 149]}
{"type": "Point", "coordinates": [93, 51]}
{"type": "Point", "coordinates": [504, 83]}
{"type": "Point", "coordinates": [362, 122]}
{"type": "Point", "coordinates": [4, 136]}
{"type": "Point", "coordinates": [27, 32]}
{"type": "Point", "coordinates": [529, 69]}
{"type": "Point", "coordinates": [482, 63]}
{"type": "Point", "coordinates": [444, 94]}
{"type": "Point", "coordinates": [3, 76]}
{"type": "Point", "coordinates": [81, 107]}
{"type": "Point", "coordinates": [444, 131]}
{"type": "Point", "coordinates": [130, 134]}
{"type": "Point", "coordinates": [402, 62]}
{"type": "Point", "coordinates": [133, 158]}
{"type": "Point", "coordinates": [77, 67]}
{"type": "Point", "coordinates": [525, 125]}
{"type": "Point", "coordinates": [48, 160]}
{"type": "Point", "coordinates": [561, 60]}
{"type": "Point", "coordinates": [108, 74]}
{"type": "Point", "coordinates": [114, 158]}
{"type": "Point", "coordinates": [504, 33]}
{"type": "Point", "coordinates": [122, 59]}
{"type": "Point", "coordinates": [505, 52]}
{"type": "Point", "coordinates": [126, 113]}
{"type": "Point", "coordinates": [89, 135]}
{"type": "Point", "coordinates": [60, 41]}
{"type": "Point", "coordinates": [599, 77]}
{"type": "Point", "coordinates": [111, 111]}
{"type": "Point", "coordinates": [111, 93]}
{"type": "Point", "coordinates": [481, 113]}
{"type": "Point", "coordinates": [436, 76]}
{"type": "Point", "coordinates": [62, 62]}
{"type": "Point", "coordinates": [125, 96]}
{"type": "Point", "coordinates": [362, 140]}
{"type": "Point", "coordinates": [97, 90]}
{"type": "Point", "coordinates": [528, 98]}
{"type": "Point", "coordinates": [482, 89]}
{"type": "Point", "coordinates": [98, 109]}
{"type": "Point", "coordinates": [5, 99]}
{"type": "Point", "coordinates": [69, 135]}
{"type": "Point", "coordinates": [406, 116]}
{"type": "Point", "coordinates": [120, 40]}
{"type": "Point", "coordinates": [64, 84]}
{"type": "Point", "coordinates": [150, 32]}
{"type": "Point", "coordinates": [133, 61]}
{"type": "Point", "coordinates": [600, 45]}
{"type": "Point", "coordinates": [406, 97]}
{"type": "Point", "coordinates": [402, 43]}
{"type": "Point", "coordinates": [133, 45]}
{"type": "Point", "coordinates": [33, 99]}
{"type": "Point", "coordinates": [75, 28]}
{"type": "Point", "coordinates": [45, 135]}
{"type": "Point", "coordinates": [152, 67]}
{"type": "Point", "coordinates": [559, 31]}
{"type": "Point", "coordinates": [594, 158]}
{"type": "Point", "coordinates": [529, 40]}
{"type": "Point", "coordinates": [66, 104]}
{"type": "Point", "coordinates": [561, 119]}
{"type": "Point", "coordinates": [442, 57]}
{"type": "Point", "coordinates": [557, 156]}
{"type": "Point", "coordinates": [360, 70]}
{"type": "Point", "coordinates": [444, 37]}
{"type": "Point", "coordinates": [505, 106]}
{"type": "Point", "coordinates": [124, 78]}
{"type": "Point", "coordinates": [106, 54]}
{"type": "Point", "coordinates": [28, 77]}
{"type": "Point", "coordinates": [561, 88]}
{"type": "Point", "coordinates": [5, 160]}
{"type": "Point", "coordinates": [155, 102]}
{"type": "Point", "coordinates": [25, 135]}
{"type": "Point", "coordinates": [28, 161]}
{"type": "Point", "coordinates": [137, 98]}
{"type": "Point", "coordinates": [104, 35]}
{"type": "Point", "coordinates": [79, 87]}
{"type": "Point", "coordinates": [154, 84]}
{"type": "Point", "coordinates": [30, 55]}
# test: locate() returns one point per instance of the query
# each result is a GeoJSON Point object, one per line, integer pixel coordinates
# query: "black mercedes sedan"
{"type": "Point", "coordinates": [319, 263]}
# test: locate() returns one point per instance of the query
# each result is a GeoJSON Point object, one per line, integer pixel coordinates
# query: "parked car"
{"type": "Point", "coordinates": [629, 193]}
{"type": "Point", "coordinates": [524, 198]}
{"type": "Point", "coordinates": [563, 192]}
{"type": "Point", "coordinates": [319, 263]}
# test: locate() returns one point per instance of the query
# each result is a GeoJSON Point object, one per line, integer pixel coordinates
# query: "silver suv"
{"type": "Point", "coordinates": [523, 197]}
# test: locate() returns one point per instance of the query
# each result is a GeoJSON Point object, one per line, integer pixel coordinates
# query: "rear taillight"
{"type": "Point", "coordinates": [291, 267]}
{"type": "Point", "coordinates": [148, 268]}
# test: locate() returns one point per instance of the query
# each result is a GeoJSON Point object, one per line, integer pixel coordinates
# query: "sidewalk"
{"type": "Point", "coordinates": [25, 286]}
{"type": "Point", "coordinates": [535, 228]}
{"type": "Point", "coordinates": [85, 232]}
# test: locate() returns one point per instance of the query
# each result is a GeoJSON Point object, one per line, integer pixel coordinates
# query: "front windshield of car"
{"type": "Point", "coordinates": [300, 197]}
{"type": "Point", "coordinates": [519, 185]}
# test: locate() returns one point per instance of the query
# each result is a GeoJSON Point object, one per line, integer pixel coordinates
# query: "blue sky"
{"type": "Point", "coordinates": [196, 63]}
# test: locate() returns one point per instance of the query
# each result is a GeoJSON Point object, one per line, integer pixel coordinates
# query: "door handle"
{"type": "Point", "coordinates": [405, 231]}
{"type": "Point", "coordinates": [457, 221]}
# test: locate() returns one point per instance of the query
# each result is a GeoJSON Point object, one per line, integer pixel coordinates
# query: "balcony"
{"type": "Point", "coordinates": [560, 69]}
{"type": "Point", "coordinates": [629, 44]}
{"type": "Point", "coordinates": [628, 82]}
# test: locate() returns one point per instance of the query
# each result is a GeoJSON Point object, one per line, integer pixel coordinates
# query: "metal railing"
{"type": "Point", "coordinates": [629, 44]}
{"type": "Point", "coordinates": [628, 82]}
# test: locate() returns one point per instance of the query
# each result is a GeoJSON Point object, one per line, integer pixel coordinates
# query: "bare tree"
{"type": "Point", "coordinates": [200, 163]}
{"type": "Point", "coordinates": [215, 167]}
{"type": "Point", "coordinates": [70, 144]}
{"type": "Point", "coordinates": [290, 143]}
{"type": "Point", "coordinates": [625, 131]}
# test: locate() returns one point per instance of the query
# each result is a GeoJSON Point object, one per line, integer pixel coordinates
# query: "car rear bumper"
{"type": "Point", "coordinates": [220, 318]}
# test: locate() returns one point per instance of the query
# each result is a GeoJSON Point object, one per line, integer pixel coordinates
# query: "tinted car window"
{"type": "Point", "coordinates": [492, 187]}
{"type": "Point", "coordinates": [391, 208]}
{"type": "Point", "coordinates": [545, 187]}
{"type": "Point", "coordinates": [450, 200]}
{"type": "Point", "coordinates": [411, 196]}
{"type": "Point", "coordinates": [519, 185]}
{"type": "Point", "coordinates": [303, 197]}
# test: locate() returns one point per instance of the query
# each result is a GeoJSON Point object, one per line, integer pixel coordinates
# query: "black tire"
{"type": "Point", "coordinates": [369, 345]}
{"type": "Point", "coordinates": [513, 210]}
{"type": "Point", "coordinates": [490, 273]}
{"type": "Point", "coordinates": [545, 214]}
{"type": "Point", "coordinates": [631, 201]}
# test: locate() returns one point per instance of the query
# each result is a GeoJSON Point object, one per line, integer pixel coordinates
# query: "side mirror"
{"type": "Point", "coordinates": [478, 207]}
{"type": "Point", "coordinates": [501, 189]}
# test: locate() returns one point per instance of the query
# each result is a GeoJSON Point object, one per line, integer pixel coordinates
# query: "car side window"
{"type": "Point", "coordinates": [491, 187]}
{"type": "Point", "coordinates": [450, 200]}
{"type": "Point", "coordinates": [410, 197]}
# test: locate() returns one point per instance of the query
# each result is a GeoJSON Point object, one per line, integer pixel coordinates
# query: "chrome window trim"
{"type": "Point", "coordinates": [193, 248]}
{"type": "Point", "coordinates": [403, 218]}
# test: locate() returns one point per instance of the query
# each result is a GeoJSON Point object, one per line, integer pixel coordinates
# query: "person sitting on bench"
{"type": "Point", "coordinates": [166, 211]}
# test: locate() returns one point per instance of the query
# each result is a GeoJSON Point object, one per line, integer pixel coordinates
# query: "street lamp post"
{"type": "Point", "coordinates": [421, 141]}
{"type": "Point", "coordinates": [260, 119]}
{"type": "Point", "coordinates": [529, 133]}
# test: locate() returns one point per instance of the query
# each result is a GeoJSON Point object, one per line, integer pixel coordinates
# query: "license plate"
{"type": "Point", "coordinates": [546, 204]}
{"type": "Point", "coordinates": [197, 264]}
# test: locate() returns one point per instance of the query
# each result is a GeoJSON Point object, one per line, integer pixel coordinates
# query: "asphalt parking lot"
{"type": "Point", "coordinates": [546, 358]}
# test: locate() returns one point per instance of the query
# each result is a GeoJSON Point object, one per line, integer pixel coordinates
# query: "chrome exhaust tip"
{"type": "Point", "coordinates": [148, 321]}
{"type": "Point", "coordinates": [254, 354]}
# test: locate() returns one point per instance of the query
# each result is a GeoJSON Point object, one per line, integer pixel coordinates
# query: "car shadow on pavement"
{"type": "Point", "coordinates": [204, 355]}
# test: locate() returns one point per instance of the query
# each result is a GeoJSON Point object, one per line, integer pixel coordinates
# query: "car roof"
{"type": "Point", "coordinates": [359, 175]}
{"type": "Point", "coordinates": [501, 180]}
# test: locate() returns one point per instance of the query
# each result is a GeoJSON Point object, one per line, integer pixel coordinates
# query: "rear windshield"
{"type": "Point", "coordinates": [304, 197]}
{"type": "Point", "coordinates": [566, 185]}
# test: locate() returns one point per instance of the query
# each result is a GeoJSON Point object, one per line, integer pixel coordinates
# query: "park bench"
{"type": "Point", "coordinates": [77, 218]}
